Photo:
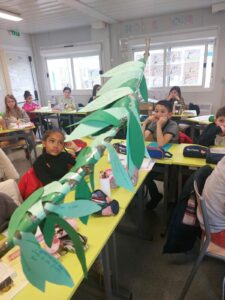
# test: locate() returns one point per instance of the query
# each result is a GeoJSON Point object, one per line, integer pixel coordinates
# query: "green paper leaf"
{"type": "Point", "coordinates": [19, 213]}
{"type": "Point", "coordinates": [125, 67]}
{"type": "Point", "coordinates": [48, 230]}
{"type": "Point", "coordinates": [84, 130]}
{"type": "Point", "coordinates": [85, 157]}
{"type": "Point", "coordinates": [120, 80]}
{"type": "Point", "coordinates": [53, 187]}
{"type": "Point", "coordinates": [119, 173]}
{"type": "Point", "coordinates": [102, 116]}
{"type": "Point", "coordinates": [143, 89]}
{"type": "Point", "coordinates": [135, 137]}
{"type": "Point", "coordinates": [75, 209]}
{"type": "Point", "coordinates": [106, 99]}
{"type": "Point", "coordinates": [75, 239]}
{"type": "Point", "coordinates": [83, 192]}
{"type": "Point", "coordinates": [39, 266]}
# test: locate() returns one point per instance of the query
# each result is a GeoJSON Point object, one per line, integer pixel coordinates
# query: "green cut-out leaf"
{"type": "Point", "coordinates": [125, 67]}
{"type": "Point", "coordinates": [83, 130]}
{"type": "Point", "coordinates": [48, 231]}
{"type": "Point", "coordinates": [103, 116]}
{"type": "Point", "coordinates": [75, 239]}
{"type": "Point", "coordinates": [40, 266]}
{"type": "Point", "coordinates": [119, 173]}
{"type": "Point", "coordinates": [83, 192]}
{"type": "Point", "coordinates": [83, 158]}
{"type": "Point", "coordinates": [120, 80]}
{"type": "Point", "coordinates": [143, 89]}
{"type": "Point", "coordinates": [53, 187]}
{"type": "Point", "coordinates": [19, 213]}
{"type": "Point", "coordinates": [75, 209]}
{"type": "Point", "coordinates": [135, 137]}
{"type": "Point", "coordinates": [106, 99]}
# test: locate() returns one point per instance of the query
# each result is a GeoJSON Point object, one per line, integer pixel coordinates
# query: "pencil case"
{"type": "Point", "coordinates": [120, 148]}
{"type": "Point", "coordinates": [214, 158]}
{"type": "Point", "coordinates": [158, 153]}
{"type": "Point", "coordinates": [195, 151]}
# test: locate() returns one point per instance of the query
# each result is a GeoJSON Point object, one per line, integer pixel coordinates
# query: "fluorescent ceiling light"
{"type": "Point", "coordinates": [9, 16]}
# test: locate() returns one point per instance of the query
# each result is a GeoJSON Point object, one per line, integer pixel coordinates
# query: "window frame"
{"type": "Point", "coordinates": [191, 42]}
{"type": "Point", "coordinates": [72, 53]}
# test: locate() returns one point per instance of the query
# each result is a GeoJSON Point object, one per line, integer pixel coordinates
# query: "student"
{"type": "Point", "coordinates": [7, 207]}
{"type": "Point", "coordinates": [160, 128]}
{"type": "Point", "coordinates": [8, 175]}
{"type": "Point", "coordinates": [15, 116]}
{"type": "Point", "coordinates": [30, 106]}
{"type": "Point", "coordinates": [214, 134]}
{"type": "Point", "coordinates": [96, 88]}
{"type": "Point", "coordinates": [214, 196]}
{"type": "Point", "coordinates": [53, 163]}
{"type": "Point", "coordinates": [66, 103]}
{"type": "Point", "coordinates": [175, 95]}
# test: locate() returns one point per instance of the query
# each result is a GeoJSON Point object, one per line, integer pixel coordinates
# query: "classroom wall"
{"type": "Point", "coordinates": [113, 53]}
{"type": "Point", "coordinates": [17, 44]}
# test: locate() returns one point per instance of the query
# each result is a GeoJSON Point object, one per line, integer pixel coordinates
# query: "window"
{"type": "Point", "coordinates": [86, 71]}
{"type": "Point", "coordinates": [59, 73]}
{"type": "Point", "coordinates": [154, 67]}
{"type": "Point", "coordinates": [186, 66]}
{"type": "Point", "coordinates": [80, 73]}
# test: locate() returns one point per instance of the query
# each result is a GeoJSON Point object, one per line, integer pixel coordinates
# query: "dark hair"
{"type": "Point", "coordinates": [168, 104]}
{"type": "Point", "coordinates": [27, 94]}
{"type": "Point", "coordinates": [51, 131]}
{"type": "Point", "coordinates": [94, 91]}
{"type": "Point", "coordinates": [18, 110]}
{"type": "Point", "coordinates": [177, 89]}
{"type": "Point", "coordinates": [220, 112]}
{"type": "Point", "coordinates": [66, 88]}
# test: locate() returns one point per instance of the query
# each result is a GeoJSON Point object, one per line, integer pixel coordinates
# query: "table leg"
{"type": "Point", "coordinates": [111, 282]}
{"type": "Point", "coordinates": [165, 202]}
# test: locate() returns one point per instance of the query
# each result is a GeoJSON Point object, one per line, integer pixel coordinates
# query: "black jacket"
{"type": "Point", "coordinates": [207, 138]}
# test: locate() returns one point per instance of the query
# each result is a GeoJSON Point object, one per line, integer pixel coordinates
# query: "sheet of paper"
{"type": "Point", "coordinates": [147, 164]}
{"type": "Point", "coordinates": [53, 187]}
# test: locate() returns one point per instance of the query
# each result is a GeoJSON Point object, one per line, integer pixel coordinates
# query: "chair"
{"type": "Point", "coordinates": [207, 247]}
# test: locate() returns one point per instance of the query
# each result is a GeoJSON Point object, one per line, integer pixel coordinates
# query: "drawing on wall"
{"type": "Point", "coordinates": [20, 74]}
{"type": "Point", "coordinates": [179, 20]}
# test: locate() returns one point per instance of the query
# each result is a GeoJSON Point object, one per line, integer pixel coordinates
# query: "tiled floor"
{"type": "Point", "coordinates": [144, 270]}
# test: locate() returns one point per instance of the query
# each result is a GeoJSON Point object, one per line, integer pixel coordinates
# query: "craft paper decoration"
{"type": "Point", "coordinates": [115, 106]}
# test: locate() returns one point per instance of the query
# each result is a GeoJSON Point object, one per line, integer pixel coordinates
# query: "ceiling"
{"type": "Point", "coordinates": [48, 15]}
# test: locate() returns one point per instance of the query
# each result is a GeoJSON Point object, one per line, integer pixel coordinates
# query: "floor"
{"type": "Point", "coordinates": [143, 269]}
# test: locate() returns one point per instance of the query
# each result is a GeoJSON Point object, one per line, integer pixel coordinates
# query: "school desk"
{"type": "Point", "coordinates": [99, 230]}
{"type": "Point", "coordinates": [72, 116]}
{"type": "Point", "coordinates": [200, 120]}
{"type": "Point", "coordinates": [20, 133]}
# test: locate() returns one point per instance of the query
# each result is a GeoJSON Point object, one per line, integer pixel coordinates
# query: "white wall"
{"type": "Point", "coordinates": [112, 54]}
{"type": "Point", "coordinates": [165, 26]}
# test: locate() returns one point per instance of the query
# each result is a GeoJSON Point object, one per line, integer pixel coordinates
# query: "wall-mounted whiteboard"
{"type": "Point", "coordinates": [20, 74]}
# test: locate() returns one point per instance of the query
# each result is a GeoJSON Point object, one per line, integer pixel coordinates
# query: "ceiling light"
{"type": "Point", "coordinates": [9, 16]}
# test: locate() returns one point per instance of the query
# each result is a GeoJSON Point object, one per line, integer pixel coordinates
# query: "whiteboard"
{"type": "Point", "coordinates": [20, 74]}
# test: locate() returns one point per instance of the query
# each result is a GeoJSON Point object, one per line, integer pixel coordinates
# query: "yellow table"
{"type": "Point", "coordinates": [98, 231]}
{"type": "Point", "coordinates": [55, 114]}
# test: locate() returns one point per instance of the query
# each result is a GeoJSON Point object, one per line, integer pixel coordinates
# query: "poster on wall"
{"type": "Point", "coordinates": [20, 74]}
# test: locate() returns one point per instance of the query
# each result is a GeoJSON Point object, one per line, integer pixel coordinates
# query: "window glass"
{"type": "Point", "coordinates": [154, 67]}
{"type": "Point", "coordinates": [60, 73]}
{"type": "Point", "coordinates": [185, 66]}
{"type": "Point", "coordinates": [209, 65]}
{"type": "Point", "coordinates": [86, 71]}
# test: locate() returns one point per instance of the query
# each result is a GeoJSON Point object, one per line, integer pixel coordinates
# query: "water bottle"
{"type": "Point", "coordinates": [49, 105]}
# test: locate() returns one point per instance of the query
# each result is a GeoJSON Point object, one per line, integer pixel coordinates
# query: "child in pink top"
{"type": "Point", "coordinates": [30, 106]}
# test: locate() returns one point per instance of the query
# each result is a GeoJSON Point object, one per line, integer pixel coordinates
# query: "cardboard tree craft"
{"type": "Point", "coordinates": [116, 105]}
